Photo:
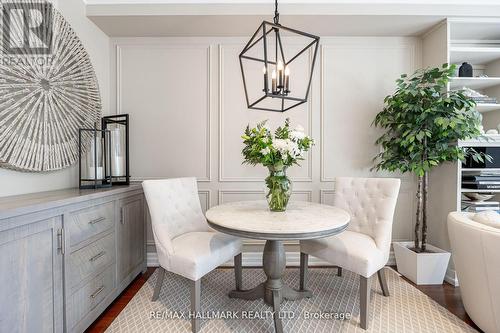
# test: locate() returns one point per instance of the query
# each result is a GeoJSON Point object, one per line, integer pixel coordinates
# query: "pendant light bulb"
{"type": "Point", "coordinates": [280, 65]}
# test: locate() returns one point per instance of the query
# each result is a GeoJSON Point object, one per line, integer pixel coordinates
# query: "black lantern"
{"type": "Point", "coordinates": [94, 158]}
{"type": "Point", "coordinates": [266, 54]}
{"type": "Point", "coordinates": [119, 132]}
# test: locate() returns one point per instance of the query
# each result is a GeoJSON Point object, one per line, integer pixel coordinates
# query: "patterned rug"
{"type": "Point", "coordinates": [333, 308]}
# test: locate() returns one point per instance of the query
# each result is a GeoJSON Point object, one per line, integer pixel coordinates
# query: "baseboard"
{"type": "Point", "coordinates": [451, 277]}
{"type": "Point", "coordinates": [253, 259]}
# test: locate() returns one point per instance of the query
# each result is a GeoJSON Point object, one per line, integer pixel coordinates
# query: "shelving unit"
{"type": "Point", "coordinates": [458, 40]}
{"type": "Point", "coordinates": [478, 43]}
{"type": "Point", "coordinates": [486, 141]}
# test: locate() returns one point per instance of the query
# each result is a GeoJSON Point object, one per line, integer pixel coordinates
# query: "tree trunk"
{"type": "Point", "coordinates": [419, 212]}
{"type": "Point", "coordinates": [424, 211]}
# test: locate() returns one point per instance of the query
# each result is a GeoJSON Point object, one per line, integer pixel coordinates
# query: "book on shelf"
{"type": "Point", "coordinates": [481, 182]}
{"type": "Point", "coordinates": [479, 209]}
{"type": "Point", "coordinates": [480, 203]}
{"type": "Point", "coordinates": [482, 186]}
{"type": "Point", "coordinates": [480, 178]}
{"type": "Point", "coordinates": [483, 172]}
{"type": "Point", "coordinates": [485, 100]}
{"type": "Point", "coordinates": [480, 173]}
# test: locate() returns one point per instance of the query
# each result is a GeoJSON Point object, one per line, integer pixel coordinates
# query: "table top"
{"type": "Point", "coordinates": [301, 220]}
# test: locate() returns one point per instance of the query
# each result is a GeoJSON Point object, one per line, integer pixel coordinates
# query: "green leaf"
{"type": "Point", "coordinates": [421, 123]}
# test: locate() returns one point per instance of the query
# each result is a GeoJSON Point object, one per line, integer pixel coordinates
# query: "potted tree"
{"type": "Point", "coordinates": [422, 123]}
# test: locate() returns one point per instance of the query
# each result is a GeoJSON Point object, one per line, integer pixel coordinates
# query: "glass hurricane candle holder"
{"type": "Point", "coordinates": [94, 158]}
{"type": "Point", "coordinates": [118, 125]}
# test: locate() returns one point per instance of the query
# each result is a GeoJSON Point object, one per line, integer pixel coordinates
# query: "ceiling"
{"type": "Point", "coordinates": [158, 18]}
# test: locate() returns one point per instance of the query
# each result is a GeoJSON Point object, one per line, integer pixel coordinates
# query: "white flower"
{"type": "Point", "coordinates": [297, 135]}
{"type": "Point", "coordinates": [280, 145]}
{"type": "Point", "coordinates": [299, 128]}
{"type": "Point", "coordinates": [287, 147]}
{"type": "Point", "coordinates": [265, 151]}
{"type": "Point", "coordinates": [265, 140]}
{"type": "Point", "coordinates": [293, 148]}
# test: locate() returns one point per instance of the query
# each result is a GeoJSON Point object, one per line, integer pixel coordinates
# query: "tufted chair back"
{"type": "Point", "coordinates": [371, 203]}
{"type": "Point", "coordinates": [175, 209]}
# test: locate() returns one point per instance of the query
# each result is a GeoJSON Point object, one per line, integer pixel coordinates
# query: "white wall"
{"type": "Point", "coordinates": [97, 45]}
{"type": "Point", "coordinates": [186, 103]}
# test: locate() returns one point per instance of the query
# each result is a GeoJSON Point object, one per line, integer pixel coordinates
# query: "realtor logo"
{"type": "Point", "coordinates": [27, 28]}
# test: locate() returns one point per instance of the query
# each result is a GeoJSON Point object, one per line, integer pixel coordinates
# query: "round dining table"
{"type": "Point", "coordinates": [253, 219]}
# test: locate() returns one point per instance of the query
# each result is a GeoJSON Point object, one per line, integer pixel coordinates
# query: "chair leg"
{"type": "Point", "coordinates": [383, 282]}
{"type": "Point", "coordinates": [159, 283]}
{"type": "Point", "coordinates": [304, 259]}
{"type": "Point", "coordinates": [238, 271]}
{"type": "Point", "coordinates": [364, 301]}
{"type": "Point", "coordinates": [339, 271]}
{"type": "Point", "coordinates": [195, 305]}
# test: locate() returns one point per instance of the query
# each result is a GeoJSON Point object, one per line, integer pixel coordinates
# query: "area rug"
{"type": "Point", "coordinates": [334, 306]}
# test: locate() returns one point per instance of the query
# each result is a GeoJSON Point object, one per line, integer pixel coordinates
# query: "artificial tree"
{"type": "Point", "coordinates": [423, 122]}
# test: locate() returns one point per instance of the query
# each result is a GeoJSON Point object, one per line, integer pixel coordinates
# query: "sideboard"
{"type": "Point", "coordinates": [66, 255]}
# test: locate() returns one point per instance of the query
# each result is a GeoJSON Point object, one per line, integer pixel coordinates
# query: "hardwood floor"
{"type": "Point", "coordinates": [446, 295]}
{"type": "Point", "coordinates": [107, 317]}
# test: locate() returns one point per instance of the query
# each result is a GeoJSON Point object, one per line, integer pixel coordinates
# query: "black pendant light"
{"type": "Point", "coordinates": [266, 53]}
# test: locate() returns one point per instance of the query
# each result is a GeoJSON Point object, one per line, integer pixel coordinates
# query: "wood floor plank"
{"type": "Point", "coordinates": [114, 309]}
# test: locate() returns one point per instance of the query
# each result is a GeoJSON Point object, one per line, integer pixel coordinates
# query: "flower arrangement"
{"type": "Point", "coordinates": [276, 152]}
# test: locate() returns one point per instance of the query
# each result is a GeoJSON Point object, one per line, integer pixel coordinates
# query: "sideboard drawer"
{"type": "Point", "coordinates": [90, 295]}
{"type": "Point", "coordinates": [89, 222]}
{"type": "Point", "coordinates": [90, 259]}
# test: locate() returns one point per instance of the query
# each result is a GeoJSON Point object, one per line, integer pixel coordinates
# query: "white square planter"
{"type": "Point", "coordinates": [421, 268]}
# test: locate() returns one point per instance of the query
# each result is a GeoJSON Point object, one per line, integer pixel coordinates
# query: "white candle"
{"type": "Point", "coordinates": [287, 79]}
{"type": "Point", "coordinates": [273, 78]}
{"type": "Point", "coordinates": [280, 73]}
{"type": "Point", "coordinates": [117, 153]}
{"type": "Point", "coordinates": [118, 166]}
{"type": "Point", "coordinates": [92, 173]}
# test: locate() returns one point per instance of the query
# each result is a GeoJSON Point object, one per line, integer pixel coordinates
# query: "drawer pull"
{"type": "Point", "coordinates": [97, 256]}
{"type": "Point", "coordinates": [97, 220]}
{"type": "Point", "coordinates": [97, 292]}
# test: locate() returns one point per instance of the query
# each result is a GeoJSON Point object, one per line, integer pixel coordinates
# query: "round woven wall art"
{"type": "Point", "coordinates": [44, 97]}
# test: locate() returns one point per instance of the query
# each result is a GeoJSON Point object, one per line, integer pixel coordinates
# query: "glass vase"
{"type": "Point", "coordinates": [279, 190]}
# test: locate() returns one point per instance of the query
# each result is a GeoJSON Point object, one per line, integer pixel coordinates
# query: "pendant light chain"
{"type": "Point", "coordinates": [276, 14]}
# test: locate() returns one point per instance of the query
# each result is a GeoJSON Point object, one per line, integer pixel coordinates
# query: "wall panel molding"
{"type": "Point", "coordinates": [219, 176]}
{"type": "Point", "coordinates": [243, 178]}
{"type": "Point", "coordinates": [385, 44]}
{"type": "Point", "coordinates": [206, 204]}
{"type": "Point", "coordinates": [119, 94]}
{"type": "Point", "coordinates": [308, 194]}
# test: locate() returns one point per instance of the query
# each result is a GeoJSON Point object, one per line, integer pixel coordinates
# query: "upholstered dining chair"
{"type": "Point", "coordinates": [185, 244]}
{"type": "Point", "coordinates": [364, 247]}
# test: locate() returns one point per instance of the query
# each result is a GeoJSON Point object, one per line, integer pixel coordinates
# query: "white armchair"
{"type": "Point", "coordinates": [475, 248]}
{"type": "Point", "coordinates": [364, 247]}
{"type": "Point", "coordinates": [185, 244]}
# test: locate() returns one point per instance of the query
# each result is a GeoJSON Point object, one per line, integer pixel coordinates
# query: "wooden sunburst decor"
{"type": "Point", "coordinates": [44, 98]}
